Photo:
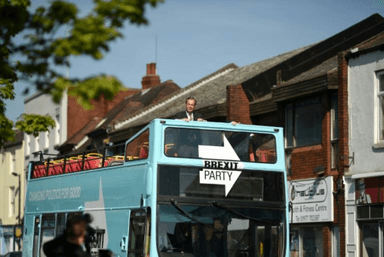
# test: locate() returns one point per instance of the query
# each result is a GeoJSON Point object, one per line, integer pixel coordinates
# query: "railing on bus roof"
{"type": "Point", "coordinates": [78, 161]}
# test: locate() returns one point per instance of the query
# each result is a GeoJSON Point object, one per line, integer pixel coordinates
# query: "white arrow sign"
{"type": "Point", "coordinates": [213, 173]}
{"type": "Point", "coordinates": [225, 152]}
{"type": "Point", "coordinates": [220, 177]}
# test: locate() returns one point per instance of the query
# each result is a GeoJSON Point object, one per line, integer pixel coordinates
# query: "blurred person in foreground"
{"type": "Point", "coordinates": [72, 242]}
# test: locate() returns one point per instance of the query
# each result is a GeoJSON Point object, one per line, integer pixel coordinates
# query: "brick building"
{"type": "Point", "coordinates": [95, 133]}
{"type": "Point", "coordinates": [305, 92]}
{"type": "Point", "coordinates": [69, 116]}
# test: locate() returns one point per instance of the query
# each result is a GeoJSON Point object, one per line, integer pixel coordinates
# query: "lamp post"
{"type": "Point", "coordinates": [18, 175]}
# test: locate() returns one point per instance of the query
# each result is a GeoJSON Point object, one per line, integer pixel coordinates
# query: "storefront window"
{"type": "Point", "coordinates": [370, 242]}
{"type": "Point", "coordinates": [306, 242]}
{"type": "Point", "coordinates": [312, 242]}
{"type": "Point", "coordinates": [294, 246]}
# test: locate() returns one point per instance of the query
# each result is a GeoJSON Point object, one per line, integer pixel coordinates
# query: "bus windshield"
{"type": "Point", "coordinates": [194, 230]}
{"type": "Point", "coordinates": [177, 181]}
{"type": "Point", "coordinates": [194, 143]}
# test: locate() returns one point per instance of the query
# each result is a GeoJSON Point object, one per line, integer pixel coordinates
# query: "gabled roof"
{"type": "Point", "coordinates": [320, 70]}
{"type": "Point", "coordinates": [80, 138]}
{"type": "Point", "coordinates": [137, 102]}
{"type": "Point", "coordinates": [175, 102]}
{"type": "Point", "coordinates": [373, 44]}
{"type": "Point", "coordinates": [208, 91]}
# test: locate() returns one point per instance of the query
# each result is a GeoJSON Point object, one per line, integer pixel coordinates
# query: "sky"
{"type": "Point", "coordinates": [189, 39]}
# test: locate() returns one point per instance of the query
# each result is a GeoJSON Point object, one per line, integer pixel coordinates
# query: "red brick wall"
{"type": "Point", "coordinates": [237, 105]}
{"type": "Point", "coordinates": [78, 117]}
{"type": "Point", "coordinates": [327, 242]}
{"type": "Point", "coordinates": [304, 160]}
{"type": "Point", "coordinates": [343, 139]}
{"type": "Point", "coordinates": [151, 79]}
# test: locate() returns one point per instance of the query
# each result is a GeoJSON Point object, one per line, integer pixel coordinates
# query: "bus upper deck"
{"type": "Point", "coordinates": [169, 191]}
{"type": "Point", "coordinates": [194, 140]}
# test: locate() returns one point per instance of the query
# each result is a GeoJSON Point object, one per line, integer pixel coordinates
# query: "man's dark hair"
{"type": "Point", "coordinates": [74, 231]}
{"type": "Point", "coordinates": [190, 98]}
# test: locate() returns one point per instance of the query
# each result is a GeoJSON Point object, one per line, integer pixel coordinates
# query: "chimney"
{"type": "Point", "coordinates": [151, 79]}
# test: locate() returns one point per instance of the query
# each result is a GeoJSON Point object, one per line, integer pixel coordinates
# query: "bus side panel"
{"type": "Point", "coordinates": [111, 236]}
{"type": "Point", "coordinates": [99, 189]}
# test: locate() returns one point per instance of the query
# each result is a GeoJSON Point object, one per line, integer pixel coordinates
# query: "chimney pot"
{"type": "Point", "coordinates": [151, 69]}
{"type": "Point", "coordinates": [150, 79]}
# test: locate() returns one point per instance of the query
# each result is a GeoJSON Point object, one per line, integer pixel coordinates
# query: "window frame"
{"type": "Point", "coordinates": [334, 128]}
{"type": "Point", "coordinates": [140, 145]}
{"type": "Point", "coordinates": [27, 144]}
{"type": "Point", "coordinates": [46, 139]}
{"type": "Point", "coordinates": [379, 104]}
{"type": "Point", "coordinates": [291, 126]}
{"type": "Point", "coordinates": [12, 201]}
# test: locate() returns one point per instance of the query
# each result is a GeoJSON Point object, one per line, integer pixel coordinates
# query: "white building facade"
{"type": "Point", "coordinates": [364, 182]}
{"type": "Point", "coordinates": [46, 142]}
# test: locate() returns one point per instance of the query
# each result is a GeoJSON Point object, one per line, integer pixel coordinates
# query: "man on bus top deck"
{"type": "Point", "coordinates": [72, 242]}
{"type": "Point", "coordinates": [189, 114]}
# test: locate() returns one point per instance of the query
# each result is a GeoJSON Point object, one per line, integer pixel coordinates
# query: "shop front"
{"type": "Point", "coordinates": [311, 211]}
{"type": "Point", "coordinates": [8, 240]}
{"type": "Point", "coordinates": [369, 195]}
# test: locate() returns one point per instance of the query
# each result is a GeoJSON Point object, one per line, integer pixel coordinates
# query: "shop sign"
{"type": "Point", "coordinates": [312, 200]}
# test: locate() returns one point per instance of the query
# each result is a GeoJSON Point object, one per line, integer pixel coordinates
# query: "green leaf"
{"type": "Point", "coordinates": [32, 50]}
{"type": "Point", "coordinates": [33, 124]}
{"type": "Point", "coordinates": [93, 88]}
{"type": "Point", "coordinates": [6, 132]}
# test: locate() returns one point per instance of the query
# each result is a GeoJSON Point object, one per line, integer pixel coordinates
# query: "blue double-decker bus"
{"type": "Point", "coordinates": [174, 189]}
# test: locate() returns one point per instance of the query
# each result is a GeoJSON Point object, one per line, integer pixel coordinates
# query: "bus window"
{"type": "Point", "coordinates": [47, 230]}
{"type": "Point", "coordinates": [262, 148]}
{"type": "Point", "coordinates": [139, 233]}
{"type": "Point", "coordinates": [250, 147]}
{"type": "Point", "coordinates": [138, 148]}
{"type": "Point", "coordinates": [36, 236]}
{"type": "Point", "coordinates": [250, 185]}
{"type": "Point", "coordinates": [60, 224]}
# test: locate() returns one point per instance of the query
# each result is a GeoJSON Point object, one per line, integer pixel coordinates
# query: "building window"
{"type": "Point", "coordinates": [370, 240]}
{"type": "Point", "coordinates": [46, 139]}
{"type": "Point", "coordinates": [334, 131]}
{"type": "Point", "coordinates": [12, 162]}
{"type": "Point", "coordinates": [57, 134]}
{"type": "Point", "coordinates": [37, 143]}
{"type": "Point", "coordinates": [289, 125]}
{"type": "Point", "coordinates": [303, 122]}
{"type": "Point", "coordinates": [12, 204]}
{"type": "Point", "coordinates": [380, 96]}
{"type": "Point", "coordinates": [27, 144]}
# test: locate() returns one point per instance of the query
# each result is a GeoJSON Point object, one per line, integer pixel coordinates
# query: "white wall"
{"type": "Point", "coordinates": [43, 105]}
{"type": "Point", "coordinates": [363, 122]}
{"type": "Point", "coordinates": [363, 113]}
